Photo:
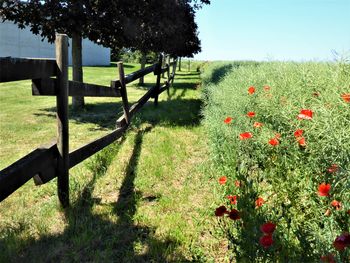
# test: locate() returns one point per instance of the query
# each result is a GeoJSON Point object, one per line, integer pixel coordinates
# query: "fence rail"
{"type": "Point", "coordinates": [55, 160]}
{"type": "Point", "coordinates": [13, 69]}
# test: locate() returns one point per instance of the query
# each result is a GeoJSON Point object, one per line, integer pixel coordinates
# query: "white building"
{"type": "Point", "coordinates": [15, 42]}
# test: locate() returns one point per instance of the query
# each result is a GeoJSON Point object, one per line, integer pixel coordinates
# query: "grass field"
{"type": "Point", "coordinates": [145, 198]}
{"type": "Point", "coordinates": [153, 195]}
{"type": "Point", "coordinates": [279, 136]}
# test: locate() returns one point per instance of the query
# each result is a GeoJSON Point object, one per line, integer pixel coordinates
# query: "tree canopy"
{"type": "Point", "coordinates": [147, 25]}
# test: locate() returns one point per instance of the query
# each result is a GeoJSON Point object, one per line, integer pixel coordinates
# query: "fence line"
{"type": "Point", "coordinates": [55, 160]}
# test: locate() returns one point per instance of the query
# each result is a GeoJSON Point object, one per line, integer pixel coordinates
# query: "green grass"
{"type": "Point", "coordinates": [286, 176]}
{"type": "Point", "coordinates": [145, 198]}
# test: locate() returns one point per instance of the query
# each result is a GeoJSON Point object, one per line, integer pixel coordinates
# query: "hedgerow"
{"type": "Point", "coordinates": [279, 135]}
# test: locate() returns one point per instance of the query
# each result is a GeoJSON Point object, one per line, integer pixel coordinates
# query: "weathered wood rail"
{"type": "Point", "coordinates": [50, 78]}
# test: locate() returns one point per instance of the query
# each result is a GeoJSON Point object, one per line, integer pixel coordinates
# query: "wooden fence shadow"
{"type": "Point", "coordinates": [89, 237]}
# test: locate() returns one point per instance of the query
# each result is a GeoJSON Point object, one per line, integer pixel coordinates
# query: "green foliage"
{"type": "Point", "coordinates": [130, 56]}
{"type": "Point", "coordinates": [160, 26]}
{"type": "Point", "coordinates": [286, 176]}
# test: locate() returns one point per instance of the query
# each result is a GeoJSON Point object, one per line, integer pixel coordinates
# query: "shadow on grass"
{"type": "Point", "coordinates": [89, 237]}
{"type": "Point", "coordinates": [219, 73]}
{"type": "Point", "coordinates": [174, 111]}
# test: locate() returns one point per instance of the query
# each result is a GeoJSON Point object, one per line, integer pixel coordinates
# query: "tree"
{"type": "Point", "coordinates": [164, 26]}
{"type": "Point", "coordinates": [145, 25]}
{"type": "Point", "coordinates": [78, 19]}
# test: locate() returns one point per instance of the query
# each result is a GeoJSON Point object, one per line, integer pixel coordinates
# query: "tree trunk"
{"type": "Point", "coordinates": [77, 102]}
{"type": "Point", "coordinates": [143, 64]}
{"type": "Point", "coordinates": [163, 64]}
{"type": "Point", "coordinates": [179, 64]}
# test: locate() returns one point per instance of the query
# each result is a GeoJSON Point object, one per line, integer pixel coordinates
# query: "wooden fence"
{"type": "Point", "coordinates": [55, 160]}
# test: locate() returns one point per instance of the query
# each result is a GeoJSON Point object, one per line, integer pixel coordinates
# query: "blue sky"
{"type": "Point", "coordinates": [274, 29]}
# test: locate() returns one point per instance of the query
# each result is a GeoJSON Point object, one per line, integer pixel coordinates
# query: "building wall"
{"type": "Point", "coordinates": [15, 42]}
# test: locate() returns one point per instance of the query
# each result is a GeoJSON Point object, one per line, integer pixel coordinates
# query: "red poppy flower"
{"type": "Point", "coordinates": [328, 259]}
{"type": "Point", "coordinates": [266, 241]}
{"type": "Point", "coordinates": [257, 124]}
{"type": "Point", "coordinates": [259, 202]}
{"type": "Point", "coordinates": [234, 214]}
{"type": "Point", "coordinates": [333, 168]}
{"type": "Point", "coordinates": [237, 183]}
{"type": "Point", "coordinates": [346, 97]}
{"type": "Point", "coordinates": [298, 133]}
{"type": "Point", "coordinates": [228, 120]}
{"type": "Point", "coordinates": [301, 141]}
{"type": "Point", "coordinates": [336, 204]}
{"type": "Point", "coordinates": [233, 199]}
{"type": "Point", "coordinates": [348, 212]}
{"type": "Point", "coordinates": [251, 90]}
{"type": "Point", "coordinates": [220, 211]}
{"type": "Point", "coordinates": [251, 114]}
{"type": "Point", "coordinates": [268, 228]}
{"type": "Point", "coordinates": [245, 135]}
{"type": "Point", "coordinates": [267, 88]}
{"type": "Point", "coordinates": [342, 241]}
{"type": "Point", "coordinates": [323, 189]}
{"type": "Point", "coordinates": [305, 114]}
{"type": "Point", "coordinates": [273, 142]}
{"type": "Point", "coordinates": [222, 180]}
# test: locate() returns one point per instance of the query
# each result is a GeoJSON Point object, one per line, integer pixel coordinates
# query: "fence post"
{"type": "Point", "coordinates": [123, 92]}
{"type": "Point", "coordinates": [174, 70]}
{"type": "Point", "coordinates": [159, 70]}
{"type": "Point", "coordinates": [163, 63]}
{"type": "Point", "coordinates": [62, 119]}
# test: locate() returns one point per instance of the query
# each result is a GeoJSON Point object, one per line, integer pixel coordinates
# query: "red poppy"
{"type": "Point", "coordinates": [251, 90]}
{"type": "Point", "coordinates": [305, 114]}
{"type": "Point", "coordinates": [234, 214]}
{"type": "Point", "coordinates": [233, 199]}
{"type": "Point", "coordinates": [257, 124]}
{"type": "Point", "coordinates": [328, 259]}
{"type": "Point", "coordinates": [348, 212]}
{"type": "Point", "coordinates": [333, 168]}
{"type": "Point", "coordinates": [251, 114]}
{"type": "Point", "coordinates": [298, 133]}
{"type": "Point", "coordinates": [323, 189]}
{"type": "Point", "coordinates": [237, 183]}
{"type": "Point", "coordinates": [267, 88]}
{"type": "Point", "coordinates": [273, 142]}
{"type": "Point", "coordinates": [228, 120]}
{"type": "Point", "coordinates": [346, 97]}
{"type": "Point", "coordinates": [245, 135]}
{"type": "Point", "coordinates": [259, 202]}
{"type": "Point", "coordinates": [266, 241]}
{"type": "Point", "coordinates": [342, 241]}
{"type": "Point", "coordinates": [222, 180]}
{"type": "Point", "coordinates": [336, 204]}
{"type": "Point", "coordinates": [301, 141]}
{"type": "Point", "coordinates": [268, 228]}
{"type": "Point", "coordinates": [221, 210]}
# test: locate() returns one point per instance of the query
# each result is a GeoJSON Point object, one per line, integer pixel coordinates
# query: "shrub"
{"type": "Point", "coordinates": [287, 147]}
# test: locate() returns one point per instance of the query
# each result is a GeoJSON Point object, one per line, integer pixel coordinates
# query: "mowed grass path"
{"type": "Point", "coordinates": [145, 198]}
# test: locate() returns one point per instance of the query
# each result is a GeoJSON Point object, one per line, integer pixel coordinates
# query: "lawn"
{"type": "Point", "coordinates": [247, 162]}
{"type": "Point", "coordinates": [145, 198]}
